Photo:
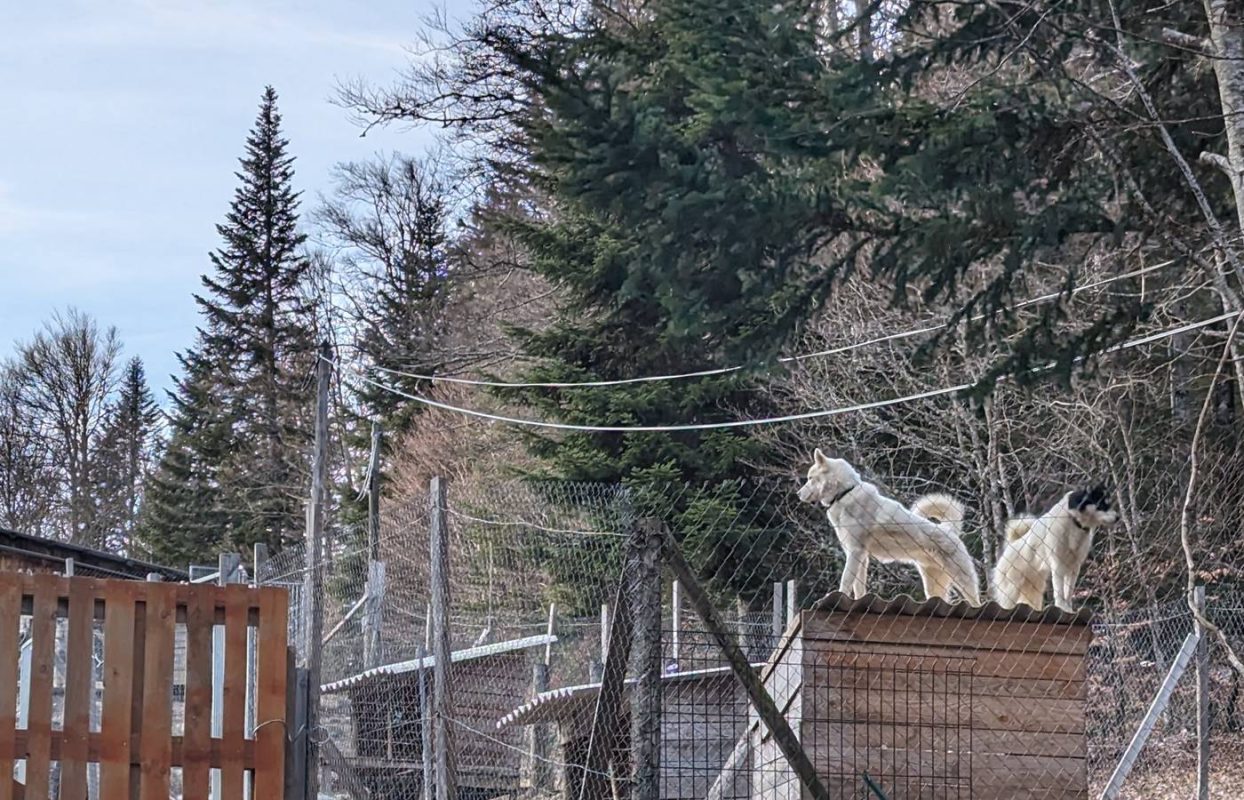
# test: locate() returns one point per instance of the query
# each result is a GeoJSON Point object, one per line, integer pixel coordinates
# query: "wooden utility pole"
{"type": "Point", "coordinates": [375, 587]}
{"type": "Point", "coordinates": [442, 699]}
{"type": "Point", "coordinates": [315, 575]}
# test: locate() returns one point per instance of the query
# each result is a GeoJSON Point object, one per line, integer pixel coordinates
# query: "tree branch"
{"type": "Point", "coordinates": [1215, 160]}
{"type": "Point", "coordinates": [1185, 41]}
{"type": "Point", "coordinates": [1185, 514]}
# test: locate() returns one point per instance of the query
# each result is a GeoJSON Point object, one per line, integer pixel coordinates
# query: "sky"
{"type": "Point", "coordinates": [121, 126]}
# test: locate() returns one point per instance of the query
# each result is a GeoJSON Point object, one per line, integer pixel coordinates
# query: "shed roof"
{"type": "Point", "coordinates": [429, 662]}
{"type": "Point", "coordinates": [554, 705]}
{"type": "Point", "coordinates": [25, 545]}
{"type": "Point", "coordinates": [907, 605]}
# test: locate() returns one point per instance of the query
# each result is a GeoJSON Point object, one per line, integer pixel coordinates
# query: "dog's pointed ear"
{"type": "Point", "coordinates": [1077, 500]}
{"type": "Point", "coordinates": [820, 458]}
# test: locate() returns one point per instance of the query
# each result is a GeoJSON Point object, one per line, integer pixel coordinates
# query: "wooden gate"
{"type": "Point", "coordinates": [120, 674]}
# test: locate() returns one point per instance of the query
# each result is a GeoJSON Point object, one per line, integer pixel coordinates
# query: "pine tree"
{"type": "Point", "coordinates": [237, 458]}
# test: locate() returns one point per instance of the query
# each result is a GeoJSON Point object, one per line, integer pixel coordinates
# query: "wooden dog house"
{"type": "Point", "coordinates": [900, 699]}
{"type": "Point", "coordinates": [704, 712]}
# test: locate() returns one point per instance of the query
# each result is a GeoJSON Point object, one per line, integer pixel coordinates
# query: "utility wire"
{"type": "Point", "coordinates": [745, 423]}
{"type": "Point", "coordinates": [677, 376]}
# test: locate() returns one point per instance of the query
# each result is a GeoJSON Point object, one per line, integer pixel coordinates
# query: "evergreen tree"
{"type": "Point", "coordinates": [678, 231]}
{"type": "Point", "coordinates": [186, 517]}
{"type": "Point", "coordinates": [126, 448]}
{"type": "Point", "coordinates": [237, 458]}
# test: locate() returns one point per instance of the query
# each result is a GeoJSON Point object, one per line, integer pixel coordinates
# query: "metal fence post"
{"type": "Point", "coordinates": [1202, 700]}
{"type": "Point", "coordinates": [676, 624]}
{"type": "Point", "coordinates": [442, 699]}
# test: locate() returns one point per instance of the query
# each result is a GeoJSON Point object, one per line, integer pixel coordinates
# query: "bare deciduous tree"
{"type": "Point", "coordinates": [64, 377]}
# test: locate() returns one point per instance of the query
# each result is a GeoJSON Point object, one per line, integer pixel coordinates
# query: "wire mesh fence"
{"type": "Point", "coordinates": [892, 698]}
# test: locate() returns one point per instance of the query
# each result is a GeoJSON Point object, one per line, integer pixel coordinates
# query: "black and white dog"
{"type": "Point", "coordinates": [1051, 548]}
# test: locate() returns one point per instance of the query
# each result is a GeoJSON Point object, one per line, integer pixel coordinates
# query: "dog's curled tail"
{"type": "Point", "coordinates": [1016, 527]}
{"type": "Point", "coordinates": [942, 509]}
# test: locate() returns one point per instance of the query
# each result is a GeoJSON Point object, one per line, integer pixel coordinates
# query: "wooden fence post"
{"type": "Point", "coordinates": [373, 615]}
{"type": "Point", "coordinates": [646, 700]}
{"type": "Point", "coordinates": [315, 566]}
{"type": "Point", "coordinates": [792, 602]}
{"type": "Point", "coordinates": [228, 567]}
{"type": "Point", "coordinates": [442, 699]}
{"type": "Point", "coordinates": [602, 744]}
{"type": "Point", "coordinates": [778, 613]}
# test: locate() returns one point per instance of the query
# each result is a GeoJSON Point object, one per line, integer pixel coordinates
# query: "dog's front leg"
{"type": "Point", "coordinates": [1063, 587]}
{"type": "Point", "coordinates": [854, 581]}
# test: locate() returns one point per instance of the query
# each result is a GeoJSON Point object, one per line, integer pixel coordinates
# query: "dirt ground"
{"type": "Point", "coordinates": [1167, 770]}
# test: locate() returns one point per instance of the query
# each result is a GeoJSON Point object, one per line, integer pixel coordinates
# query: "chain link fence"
{"type": "Point", "coordinates": [534, 571]}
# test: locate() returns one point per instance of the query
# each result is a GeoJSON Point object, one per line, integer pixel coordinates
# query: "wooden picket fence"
{"type": "Point", "coordinates": [138, 742]}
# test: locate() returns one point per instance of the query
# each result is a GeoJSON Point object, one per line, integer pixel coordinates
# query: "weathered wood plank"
{"type": "Point", "coordinates": [1053, 715]}
{"type": "Point", "coordinates": [233, 729]}
{"type": "Point", "coordinates": [42, 659]}
{"type": "Point", "coordinates": [985, 663]}
{"type": "Point", "coordinates": [157, 696]}
{"type": "Point", "coordinates": [79, 656]}
{"type": "Point", "coordinates": [10, 611]}
{"type": "Point", "coordinates": [974, 634]}
{"type": "Point", "coordinates": [865, 735]}
{"type": "Point", "coordinates": [115, 723]}
{"type": "Point", "coordinates": [270, 702]}
{"type": "Point", "coordinates": [198, 714]}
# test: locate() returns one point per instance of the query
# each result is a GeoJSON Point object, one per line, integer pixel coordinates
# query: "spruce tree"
{"type": "Point", "coordinates": [677, 231]}
{"type": "Point", "coordinates": [185, 515]}
{"type": "Point", "coordinates": [125, 452]}
{"type": "Point", "coordinates": [241, 423]}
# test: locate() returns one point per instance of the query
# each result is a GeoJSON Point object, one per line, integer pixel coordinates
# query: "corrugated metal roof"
{"type": "Point", "coordinates": [549, 706]}
{"type": "Point", "coordinates": [429, 662]}
{"type": "Point", "coordinates": [31, 546]}
{"type": "Point", "coordinates": [936, 607]}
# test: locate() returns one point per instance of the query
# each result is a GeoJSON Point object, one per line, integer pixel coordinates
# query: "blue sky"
{"type": "Point", "coordinates": [123, 122]}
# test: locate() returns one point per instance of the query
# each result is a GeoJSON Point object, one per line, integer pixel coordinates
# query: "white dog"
{"type": "Point", "coordinates": [1050, 548]}
{"type": "Point", "coordinates": [870, 525]}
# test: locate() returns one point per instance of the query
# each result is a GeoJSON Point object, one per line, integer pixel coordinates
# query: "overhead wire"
{"type": "Point", "coordinates": [744, 423]}
{"type": "Point", "coordinates": [704, 373]}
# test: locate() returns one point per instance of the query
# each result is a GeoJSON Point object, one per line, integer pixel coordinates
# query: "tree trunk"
{"type": "Point", "coordinates": [1226, 32]}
